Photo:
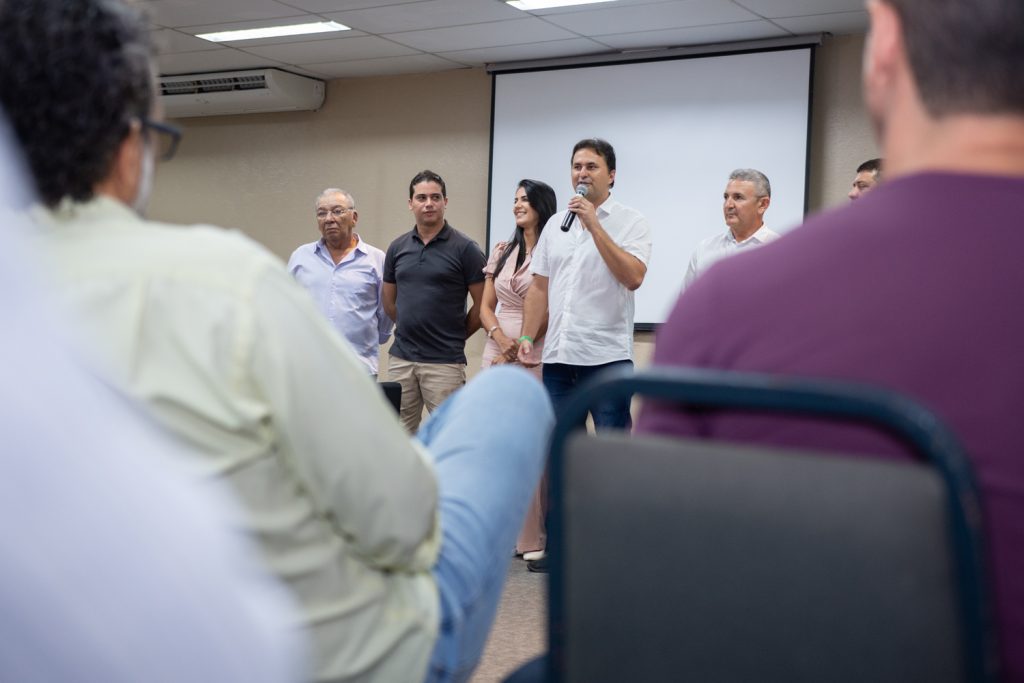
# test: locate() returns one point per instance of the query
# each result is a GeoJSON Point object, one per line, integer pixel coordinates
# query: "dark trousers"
{"type": "Point", "coordinates": [561, 381]}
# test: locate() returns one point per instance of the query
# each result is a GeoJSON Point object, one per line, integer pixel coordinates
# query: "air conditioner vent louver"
{"type": "Point", "coordinates": [207, 85]}
{"type": "Point", "coordinates": [239, 92]}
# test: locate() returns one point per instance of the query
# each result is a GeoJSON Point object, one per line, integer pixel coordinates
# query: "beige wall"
{"type": "Point", "coordinates": [841, 135]}
{"type": "Point", "coordinates": [260, 173]}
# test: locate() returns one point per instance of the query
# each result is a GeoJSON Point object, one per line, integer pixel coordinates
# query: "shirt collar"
{"type": "Point", "coordinates": [101, 209]}
{"type": "Point", "coordinates": [320, 246]}
{"type": "Point", "coordinates": [445, 233]}
{"type": "Point", "coordinates": [757, 238]}
{"type": "Point", "coordinates": [607, 206]}
{"type": "Point", "coordinates": [100, 203]}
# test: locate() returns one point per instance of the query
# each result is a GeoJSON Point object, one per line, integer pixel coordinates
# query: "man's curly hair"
{"type": "Point", "coordinates": [75, 73]}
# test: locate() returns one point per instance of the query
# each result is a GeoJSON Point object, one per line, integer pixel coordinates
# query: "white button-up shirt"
{"type": "Point", "coordinates": [590, 313]}
{"type": "Point", "coordinates": [717, 247]}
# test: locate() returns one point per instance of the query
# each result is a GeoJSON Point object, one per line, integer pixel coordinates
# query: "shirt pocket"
{"type": "Point", "coordinates": [356, 287]}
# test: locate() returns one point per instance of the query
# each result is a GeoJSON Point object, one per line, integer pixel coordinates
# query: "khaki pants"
{"type": "Point", "coordinates": [423, 384]}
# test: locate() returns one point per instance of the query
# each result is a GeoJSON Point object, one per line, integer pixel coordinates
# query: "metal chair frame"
{"type": "Point", "coordinates": [895, 414]}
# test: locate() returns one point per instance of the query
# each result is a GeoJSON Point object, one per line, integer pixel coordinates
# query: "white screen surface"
{"type": "Point", "coordinates": [679, 127]}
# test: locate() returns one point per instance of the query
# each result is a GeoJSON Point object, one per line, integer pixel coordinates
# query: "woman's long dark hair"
{"type": "Point", "coordinates": [542, 199]}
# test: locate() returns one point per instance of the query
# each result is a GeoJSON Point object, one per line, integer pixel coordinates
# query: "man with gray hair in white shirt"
{"type": "Point", "coordinates": [746, 198]}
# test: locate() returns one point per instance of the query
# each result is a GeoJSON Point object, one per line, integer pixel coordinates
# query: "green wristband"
{"type": "Point", "coordinates": [526, 337]}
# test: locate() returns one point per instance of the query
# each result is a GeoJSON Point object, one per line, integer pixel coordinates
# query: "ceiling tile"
{"type": "Point", "coordinates": [570, 9]}
{"type": "Point", "coordinates": [471, 31]}
{"type": "Point", "coordinates": [796, 8]}
{"type": "Point", "coordinates": [339, 49]}
{"type": "Point", "coordinates": [224, 59]}
{"type": "Point", "coordinates": [385, 66]}
{"type": "Point", "coordinates": [176, 13]}
{"type": "Point", "coordinates": [305, 72]}
{"type": "Point", "coordinates": [168, 41]}
{"type": "Point", "coordinates": [341, 5]}
{"type": "Point", "coordinates": [515, 53]}
{"type": "Point", "coordinates": [514, 32]}
{"type": "Point", "coordinates": [426, 15]}
{"type": "Point", "coordinates": [599, 22]}
{"type": "Point", "coordinates": [695, 35]}
{"type": "Point", "coordinates": [838, 23]}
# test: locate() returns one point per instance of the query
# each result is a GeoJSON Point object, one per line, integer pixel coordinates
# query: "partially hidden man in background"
{"type": "Point", "coordinates": [343, 274]}
{"type": "Point", "coordinates": [427, 273]}
{"type": "Point", "coordinates": [395, 549]}
{"type": "Point", "coordinates": [914, 287]}
{"type": "Point", "coordinates": [869, 174]}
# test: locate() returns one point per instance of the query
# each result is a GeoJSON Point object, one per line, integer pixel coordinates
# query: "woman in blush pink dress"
{"type": "Point", "coordinates": [501, 313]}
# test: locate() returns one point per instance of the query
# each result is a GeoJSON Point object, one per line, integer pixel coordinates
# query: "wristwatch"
{"type": "Point", "coordinates": [490, 332]}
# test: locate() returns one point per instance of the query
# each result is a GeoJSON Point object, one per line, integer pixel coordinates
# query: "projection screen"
{"type": "Point", "coordinates": [679, 126]}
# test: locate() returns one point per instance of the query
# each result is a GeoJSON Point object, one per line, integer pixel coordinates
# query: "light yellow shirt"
{"type": "Point", "coordinates": [207, 330]}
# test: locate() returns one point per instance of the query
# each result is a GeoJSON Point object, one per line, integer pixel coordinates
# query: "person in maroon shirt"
{"type": "Point", "coordinates": [915, 287]}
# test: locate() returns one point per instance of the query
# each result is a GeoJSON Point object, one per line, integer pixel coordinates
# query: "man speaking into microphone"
{"type": "Point", "coordinates": [584, 276]}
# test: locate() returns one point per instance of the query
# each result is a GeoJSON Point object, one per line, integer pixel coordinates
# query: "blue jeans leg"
{"type": "Point", "coordinates": [561, 381]}
{"type": "Point", "coordinates": [611, 414]}
{"type": "Point", "coordinates": [489, 442]}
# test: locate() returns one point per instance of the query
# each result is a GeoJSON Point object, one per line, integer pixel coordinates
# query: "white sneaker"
{"type": "Point", "coordinates": [534, 555]}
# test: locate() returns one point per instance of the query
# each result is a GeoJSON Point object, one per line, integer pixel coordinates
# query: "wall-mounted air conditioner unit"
{"type": "Point", "coordinates": [239, 92]}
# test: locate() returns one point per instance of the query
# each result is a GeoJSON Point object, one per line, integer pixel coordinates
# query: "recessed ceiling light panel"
{"type": "Point", "coordinates": [273, 31]}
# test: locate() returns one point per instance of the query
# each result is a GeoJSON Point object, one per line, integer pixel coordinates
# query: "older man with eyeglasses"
{"type": "Point", "coordinates": [343, 273]}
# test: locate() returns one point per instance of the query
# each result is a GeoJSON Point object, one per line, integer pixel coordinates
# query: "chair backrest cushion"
{"type": "Point", "coordinates": [696, 561]}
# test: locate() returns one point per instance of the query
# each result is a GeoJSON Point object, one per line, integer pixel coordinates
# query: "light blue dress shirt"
{"type": "Point", "coordinates": [348, 294]}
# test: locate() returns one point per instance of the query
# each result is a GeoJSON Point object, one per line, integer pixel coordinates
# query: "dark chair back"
{"type": "Point", "coordinates": [685, 560]}
{"type": "Point", "coordinates": [393, 392]}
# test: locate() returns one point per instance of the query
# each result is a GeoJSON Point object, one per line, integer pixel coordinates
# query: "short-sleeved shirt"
{"type": "Point", "coordinates": [347, 293]}
{"type": "Point", "coordinates": [590, 313]}
{"type": "Point", "coordinates": [718, 247]}
{"type": "Point", "coordinates": [432, 281]}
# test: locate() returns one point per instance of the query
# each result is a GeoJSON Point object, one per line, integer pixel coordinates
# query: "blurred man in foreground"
{"type": "Point", "coordinates": [208, 332]}
{"type": "Point", "coordinates": [119, 563]}
{"type": "Point", "coordinates": [915, 287]}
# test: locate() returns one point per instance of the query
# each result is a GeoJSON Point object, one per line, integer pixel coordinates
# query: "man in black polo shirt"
{"type": "Point", "coordinates": [427, 273]}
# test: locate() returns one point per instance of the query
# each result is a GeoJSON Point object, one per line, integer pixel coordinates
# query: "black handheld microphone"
{"type": "Point", "coordinates": [581, 191]}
